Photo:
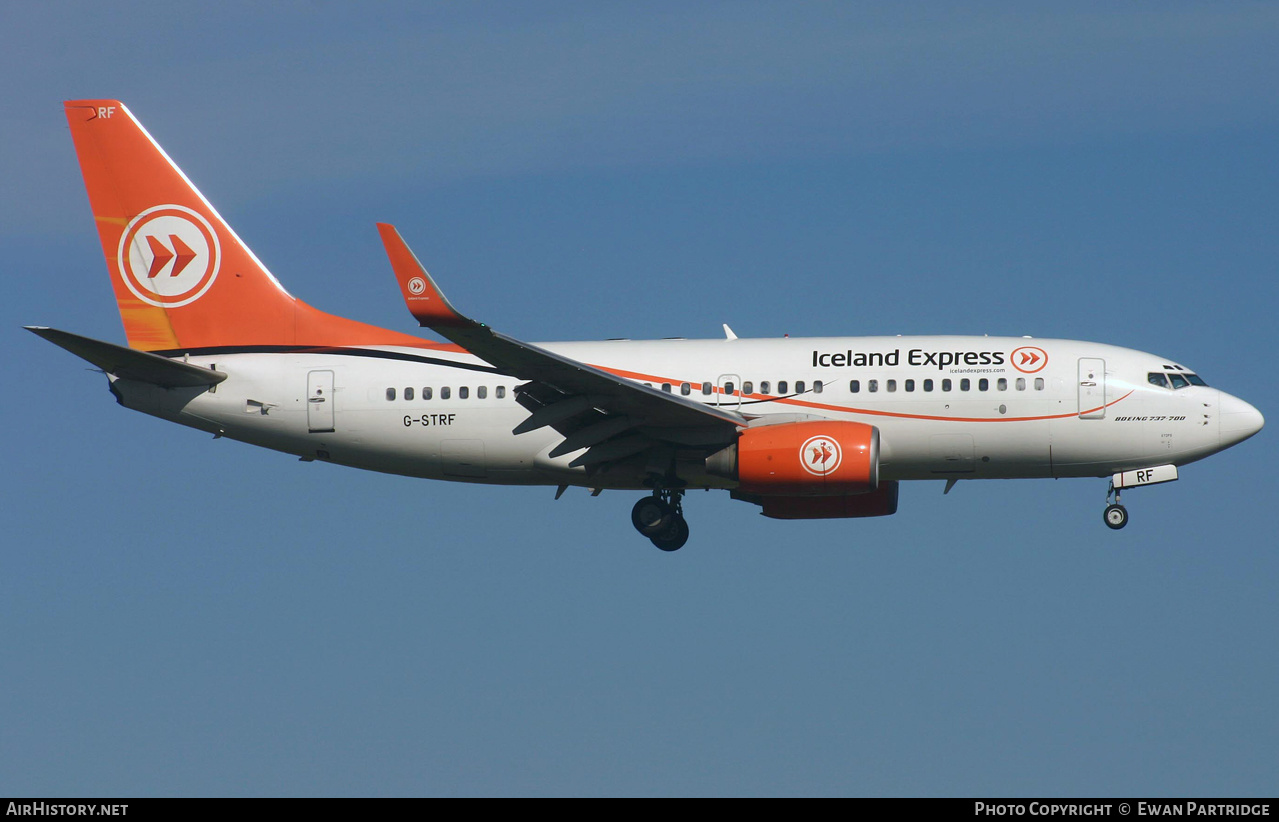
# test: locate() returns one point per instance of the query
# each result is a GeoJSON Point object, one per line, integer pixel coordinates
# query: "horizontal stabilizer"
{"type": "Point", "coordinates": [130, 364]}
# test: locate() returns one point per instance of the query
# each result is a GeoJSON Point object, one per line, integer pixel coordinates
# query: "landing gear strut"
{"type": "Point", "coordinates": [660, 517]}
{"type": "Point", "coordinates": [1116, 516]}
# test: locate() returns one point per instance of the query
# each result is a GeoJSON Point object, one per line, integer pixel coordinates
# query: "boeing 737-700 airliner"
{"type": "Point", "coordinates": [803, 428]}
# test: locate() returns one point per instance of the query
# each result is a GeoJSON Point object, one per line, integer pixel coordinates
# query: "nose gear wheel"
{"type": "Point", "coordinates": [1115, 515]}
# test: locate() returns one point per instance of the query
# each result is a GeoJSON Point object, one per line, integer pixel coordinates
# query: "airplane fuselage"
{"type": "Point", "coordinates": [946, 407]}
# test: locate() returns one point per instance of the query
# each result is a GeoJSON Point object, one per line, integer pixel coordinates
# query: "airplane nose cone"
{"type": "Point", "coordinates": [1239, 420]}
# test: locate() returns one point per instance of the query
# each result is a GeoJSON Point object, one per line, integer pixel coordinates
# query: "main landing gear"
{"type": "Point", "coordinates": [1116, 516]}
{"type": "Point", "coordinates": [660, 517]}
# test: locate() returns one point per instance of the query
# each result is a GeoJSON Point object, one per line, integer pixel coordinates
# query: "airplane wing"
{"type": "Point", "coordinates": [628, 417]}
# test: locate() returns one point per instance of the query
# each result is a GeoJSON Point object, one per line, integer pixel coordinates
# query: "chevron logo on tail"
{"type": "Point", "coordinates": [169, 256]}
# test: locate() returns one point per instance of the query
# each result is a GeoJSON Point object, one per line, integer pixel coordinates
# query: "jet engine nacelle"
{"type": "Point", "coordinates": [881, 502]}
{"type": "Point", "coordinates": [802, 459]}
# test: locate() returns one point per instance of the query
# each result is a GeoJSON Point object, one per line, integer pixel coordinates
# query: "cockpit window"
{"type": "Point", "coordinates": [1182, 379]}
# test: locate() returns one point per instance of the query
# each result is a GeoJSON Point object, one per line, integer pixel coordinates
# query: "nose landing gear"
{"type": "Point", "coordinates": [660, 517]}
{"type": "Point", "coordinates": [1115, 515]}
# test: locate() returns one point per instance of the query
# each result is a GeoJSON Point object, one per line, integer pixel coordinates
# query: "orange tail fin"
{"type": "Point", "coordinates": [183, 280]}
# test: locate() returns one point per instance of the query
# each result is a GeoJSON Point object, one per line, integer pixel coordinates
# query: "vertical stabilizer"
{"type": "Point", "coordinates": [182, 278]}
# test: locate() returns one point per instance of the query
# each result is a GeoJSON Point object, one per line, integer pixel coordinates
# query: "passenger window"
{"type": "Point", "coordinates": [983, 384]}
{"type": "Point", "coordinates": [945, 385]}
{"type": "Point", "coordinates": [964, 384]}
{"type": "Point", "coordinates": [408, 393]}
{"type": "Point", "coordinates": [1178, 381]}
{"type": "Point", "coordinates": [928, 385]}
{"type": "Point", "coordinates": [763, 387]}
{"type": "Point", "coordinates": [482, 392]}
{"type": "Point", "coordinates": [1021, 383]}
{"type": "Point", "coordinates": [501, 392]}
{"type": "Point", "coordinates": [855, 386]}
{"type": "Point", "coordinates": [892, 385]}
{"type": "Point", "coordinates": [706, 388]}
{"type": "Point", "coordinates": [728, 388]}
{"type": "Point", "coordinates": [463, 393]}
{"type": "Point", "coordinates": [872, 385]}
{"type": "Point", "coordinates": [390, 393]}
{"type": "Point", "coordinates": [1003, 384]}
{"type": "Point", "coordinates": [666, 387]}
{"type": "Point", "coordinates": [444, 393]}
{"type": "Point", "coordinates": [781, 386]}
{"type": "Point", "coordinates": [910, 385]}
{"type": "Point", "coordinates": [748, 387]}
{"type": "Point", "coordinates": [799, 386]}
{"type": "Point", "coordinates": [426, 393]}
{"type": "Point", "coordinates": [1039, 383]}
{"type": "Point", "coordinates": [817, 387]}
{"type": "Point", "coordinates": [685, 389]}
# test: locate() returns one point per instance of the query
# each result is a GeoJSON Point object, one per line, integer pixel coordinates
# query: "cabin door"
{"type": "Point", "coordinates": [319, 401]}
{"type": "Point", "coordinates": [1092, 388]}
{"type": "Point", "coordinates": [730, 391]}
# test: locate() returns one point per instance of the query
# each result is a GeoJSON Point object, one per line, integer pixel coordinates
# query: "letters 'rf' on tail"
{"type": "Point", "coordinates": [182, 278]}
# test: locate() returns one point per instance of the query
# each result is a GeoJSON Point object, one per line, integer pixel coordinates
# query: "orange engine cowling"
{"type": "Point", "coordinates": [802, 459]}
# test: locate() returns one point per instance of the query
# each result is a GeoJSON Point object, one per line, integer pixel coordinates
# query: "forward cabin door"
{"type": "Point", "coordinates": [319, 401]}
{"type": "Point", "coordinates": [1092, 388]}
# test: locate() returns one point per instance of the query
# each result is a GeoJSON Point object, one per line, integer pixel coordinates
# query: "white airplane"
{"type": "Point", "coordinates": [804, 428]}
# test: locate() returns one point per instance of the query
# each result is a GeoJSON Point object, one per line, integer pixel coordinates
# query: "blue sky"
{"type": "Point", "coordinates": [181, 616]}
